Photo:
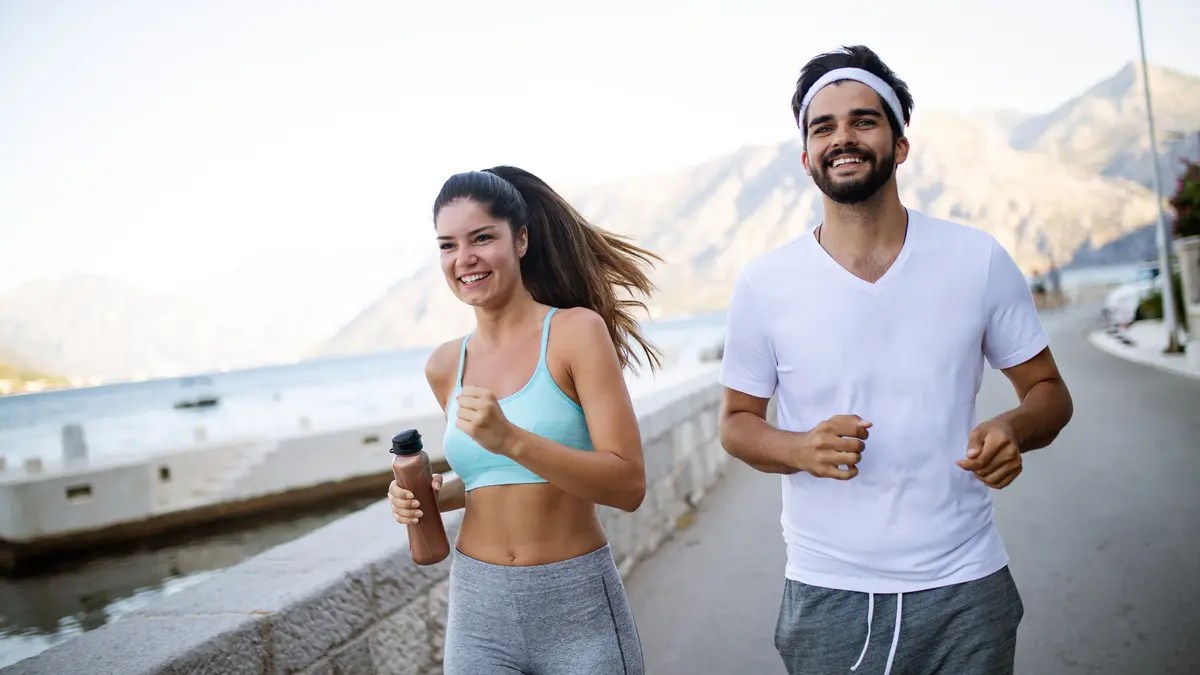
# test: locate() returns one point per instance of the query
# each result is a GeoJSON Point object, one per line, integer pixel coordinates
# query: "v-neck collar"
{"type": "Point", "coordinates": [876, 287]}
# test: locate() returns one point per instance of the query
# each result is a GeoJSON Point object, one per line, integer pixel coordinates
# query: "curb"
{"type": "Point", "coordinates": [1106, 343]}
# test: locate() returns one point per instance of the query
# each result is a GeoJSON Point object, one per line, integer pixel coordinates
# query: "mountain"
{"type": "Point", "coordinates": [100, 328]}
{"type": "Point", "coordinates": [16, 375]}
{"type": "Point", "coordinates": [1070, 185]}
{"type": "Point", "coordinates": [94, 326]}
{"type": "Point", "coordinates": [264, 311]}
{"type": "Point", "coordinates": [1104, 129]}
{"type": "Point", "coordinates": [1066, 186]}
{"type": "Point", "coordinates": [416, 303]}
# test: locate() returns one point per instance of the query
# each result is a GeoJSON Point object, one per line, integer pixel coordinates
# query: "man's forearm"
{"type": "Point", "coordinates": [750, 438]}
{"type": "Point", "coordinates": [1037, 421]}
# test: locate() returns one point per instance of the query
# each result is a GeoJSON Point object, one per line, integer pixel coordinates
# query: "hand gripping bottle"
{"type": "Point", "coordinates": [427, 540]}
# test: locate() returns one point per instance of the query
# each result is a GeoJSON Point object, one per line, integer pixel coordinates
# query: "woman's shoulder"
{"type": "Point", "coordinates": [579, 323]}
{"type": "Point", "coordinates": [581, 334]}
{"type": "Point", "coordinates": [442, 364]}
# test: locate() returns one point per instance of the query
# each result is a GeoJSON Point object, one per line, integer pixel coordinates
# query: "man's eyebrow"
{"type": "Point", "coordinates": [866, 112]}
{"type": "Point", "coordinates": [856, 112]}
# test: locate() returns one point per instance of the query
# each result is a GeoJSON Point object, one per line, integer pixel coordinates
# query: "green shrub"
{"type": "Point", "coordinates": [1186, 202]}
{"type": "Point", "coordinates": [1151, 307]}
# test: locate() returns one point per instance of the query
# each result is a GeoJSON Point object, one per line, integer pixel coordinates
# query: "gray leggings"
{"type": "Point", "coordinates": [563, 618]}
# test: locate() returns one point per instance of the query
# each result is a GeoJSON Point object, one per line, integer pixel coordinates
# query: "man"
{"type": "Point", "coordinates": [873, 331]}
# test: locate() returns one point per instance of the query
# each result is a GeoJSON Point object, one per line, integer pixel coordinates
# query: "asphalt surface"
{"type": "Point", "coordinates": [1103, 528]}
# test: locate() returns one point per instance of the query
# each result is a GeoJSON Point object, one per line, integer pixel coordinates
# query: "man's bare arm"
{"type": "Point", "coordinates": [1045, 402]}
{"type": "Point", "coordinates": [746, 434]}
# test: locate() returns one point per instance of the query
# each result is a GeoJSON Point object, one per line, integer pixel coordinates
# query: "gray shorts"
{"type": "Point", "coordinates": [562, 618]}
{"type": "Point", "coordinates": [963, 629]}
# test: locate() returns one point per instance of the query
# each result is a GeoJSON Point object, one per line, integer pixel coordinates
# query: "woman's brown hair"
{"type": "Point", "coordinates": [569, 262]}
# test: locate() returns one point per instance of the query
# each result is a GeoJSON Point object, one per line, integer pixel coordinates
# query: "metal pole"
{"type": "Point", "coordinates": [1170, 320]}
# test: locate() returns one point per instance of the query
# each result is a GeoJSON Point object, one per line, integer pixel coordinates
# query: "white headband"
{"type": "Point", "coordinates": [858, 75]}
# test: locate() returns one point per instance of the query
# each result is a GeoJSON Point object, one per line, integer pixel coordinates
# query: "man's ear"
{"type": "Point", "coordinates": [902, 149]}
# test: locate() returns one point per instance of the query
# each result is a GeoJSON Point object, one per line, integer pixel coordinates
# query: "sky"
{"type": "Point", "coordinates": [190, 144]}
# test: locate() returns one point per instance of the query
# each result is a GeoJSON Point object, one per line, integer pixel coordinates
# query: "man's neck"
{"type": "Point", "coordinates": [865, 238]}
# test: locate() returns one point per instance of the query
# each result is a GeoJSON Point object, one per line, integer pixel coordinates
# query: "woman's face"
{"type": "Point", "coordinates": [481, 257]}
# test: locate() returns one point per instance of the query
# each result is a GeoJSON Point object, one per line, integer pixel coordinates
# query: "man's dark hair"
{"type": "Point", "coordinates": [856, 56]}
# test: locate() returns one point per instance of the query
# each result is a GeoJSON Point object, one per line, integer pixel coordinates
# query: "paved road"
{"type": "Point", "coordinates": [1103, 528]}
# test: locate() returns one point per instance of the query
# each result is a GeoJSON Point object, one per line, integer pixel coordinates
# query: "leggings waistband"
{"type": "Point", "coordinates": [515, 577]}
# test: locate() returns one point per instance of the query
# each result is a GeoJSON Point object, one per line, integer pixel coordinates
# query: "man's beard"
{"type": "Point", "coordinates": [855, 191]}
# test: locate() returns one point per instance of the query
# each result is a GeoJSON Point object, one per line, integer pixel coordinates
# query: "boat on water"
{"type": "Point", "coordinates": [202, 395]}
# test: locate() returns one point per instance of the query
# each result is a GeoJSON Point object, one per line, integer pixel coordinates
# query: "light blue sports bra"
{"type": "Point", "coordinates": [540, 407]}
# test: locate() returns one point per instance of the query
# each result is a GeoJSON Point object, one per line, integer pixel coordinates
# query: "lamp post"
{"type": "Point", "coordinates": [1164, 238]}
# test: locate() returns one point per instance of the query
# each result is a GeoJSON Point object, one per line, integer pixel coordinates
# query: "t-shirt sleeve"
{"type": "Point", "coordinates": [1014, 332]}
{"type": "Point", "coordinates": [748, 362]}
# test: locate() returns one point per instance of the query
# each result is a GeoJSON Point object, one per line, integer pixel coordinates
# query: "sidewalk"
{"type": "Point", "coordinates": [1143, 343]}
{"type": "Point", "coordinates": [706, 601]}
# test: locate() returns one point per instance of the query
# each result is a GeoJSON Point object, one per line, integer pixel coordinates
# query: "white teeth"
{"type": "Point", "coordinates": [846, 160]}
{"type": "Point", "coordinates": [472, 278]}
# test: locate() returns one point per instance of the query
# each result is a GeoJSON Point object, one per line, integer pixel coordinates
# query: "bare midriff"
{"type": "Point", "coordinates": [528, 524]}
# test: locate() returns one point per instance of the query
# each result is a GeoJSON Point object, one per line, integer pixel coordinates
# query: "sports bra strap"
{"type": "Point", "coordinates": [545, 336]}
{"type": "Point", "coordinates": [462, 360]}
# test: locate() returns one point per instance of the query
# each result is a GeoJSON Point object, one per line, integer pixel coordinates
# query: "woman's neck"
{"type": "Point", "coordinates": [498, 323]}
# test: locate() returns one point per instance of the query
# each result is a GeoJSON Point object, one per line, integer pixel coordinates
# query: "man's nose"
{"type": "Point", "coordinates": [843, 137]}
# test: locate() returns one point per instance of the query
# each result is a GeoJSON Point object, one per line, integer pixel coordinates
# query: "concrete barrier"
{"type": "Point", "coordinates": [347, 598]}
{"type": "Point", "coordinates": [97, 501]}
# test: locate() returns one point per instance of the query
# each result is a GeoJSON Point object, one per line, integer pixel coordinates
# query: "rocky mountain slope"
{"type": "Point", "coordinates": [1066, 184]}
{"type": "Point", "coordinates": [1047, 187]}
{"type": "Point", "coordinates": [1104, 129]}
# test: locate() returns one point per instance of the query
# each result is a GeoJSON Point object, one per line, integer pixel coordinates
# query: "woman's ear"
{"type": "Point", "coordinates": [522, 242]}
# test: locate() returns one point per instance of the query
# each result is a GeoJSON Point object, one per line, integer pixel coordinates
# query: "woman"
{"type": "Point", "coordinates": [540, 429]}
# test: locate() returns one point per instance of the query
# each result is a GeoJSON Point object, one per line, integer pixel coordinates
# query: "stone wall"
{"type": "Point", "coordinates": [347, 599]}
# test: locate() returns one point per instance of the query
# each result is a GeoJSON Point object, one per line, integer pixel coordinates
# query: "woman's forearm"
{"type": "Point", "coordinates": [601, 477]}
{"type": "Point", "coordinates": [453, 495]}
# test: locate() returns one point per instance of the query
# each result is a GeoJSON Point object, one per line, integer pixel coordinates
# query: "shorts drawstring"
{"type": "Point", "coordinates": [895, 633]}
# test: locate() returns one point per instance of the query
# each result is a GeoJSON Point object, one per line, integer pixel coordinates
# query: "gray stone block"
{"type": "Point", "coordinates": [369, 533]}
{"type": "Point", "coordinates": [323, 667]}
{"type": "Point", "coordinates": [313, 625]}
{"type": "Point", "coordinates": [306, 614]}
{"type": "Point", "coordinates": [658, 457]}
{"type": "Point", "coordinates": [204, 645]}
{"type": "Point", "coordinates": [400, 643]}
{"type": "Point", "coordinates": [438, 598]}
{"type": "Point", "coordinates": [399, 583]}
{"type": "Point", "coordinates": [353, 659]}
{"type": "Point", "coordinates": [685, 441]}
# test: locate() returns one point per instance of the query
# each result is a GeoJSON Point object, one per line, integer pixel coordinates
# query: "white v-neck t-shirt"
{"type": "Point", "coordinates": [905, 353]}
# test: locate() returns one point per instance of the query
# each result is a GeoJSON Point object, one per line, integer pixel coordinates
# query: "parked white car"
{"type": "Point", "coordinates": [1121, 304]}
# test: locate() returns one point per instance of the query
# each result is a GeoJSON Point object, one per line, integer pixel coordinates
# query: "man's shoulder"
{"type": "Point", "coordinates": [781, 260]}
{"type": "Point", "coordinates": [954, 241]}
{"type": "Point", "coordinates": [949, 231]}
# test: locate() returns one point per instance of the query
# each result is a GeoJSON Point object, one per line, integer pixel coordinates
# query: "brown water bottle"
{"type": "Point", "coordinates": [427, 540]}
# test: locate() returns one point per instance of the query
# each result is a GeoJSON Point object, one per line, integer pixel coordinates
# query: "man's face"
{"type": "Point", "coordinates": [851, 150]}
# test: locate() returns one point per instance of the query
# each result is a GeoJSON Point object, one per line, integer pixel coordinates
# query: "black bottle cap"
{"type": "Point", "coordinates": [407, 442]}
